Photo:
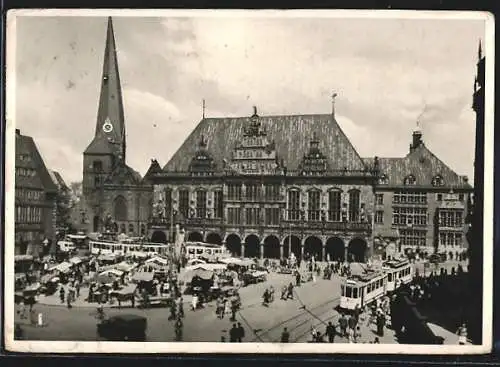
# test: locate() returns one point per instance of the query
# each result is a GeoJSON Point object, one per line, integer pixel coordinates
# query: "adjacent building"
{"type": "Point", "coordinates": [115, 197]}
{"type": "Point", "coordinates": [35, 198]}
{"type": "Point", "coordinates": [475, 234]}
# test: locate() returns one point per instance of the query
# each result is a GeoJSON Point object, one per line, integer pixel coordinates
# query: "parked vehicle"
{"type": "Point", "coordinates": [123, 328]}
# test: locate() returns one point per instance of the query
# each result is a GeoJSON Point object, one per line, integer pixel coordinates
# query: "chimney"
{"type": "Point", "coordinates": [417, 140]}
{"type": "Point", "coordinates": [334, 95]}
{"type": "Point", "coordinates": [18, 132]}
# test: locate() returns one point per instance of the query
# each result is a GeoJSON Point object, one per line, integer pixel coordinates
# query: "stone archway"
{"type": "Point", "coordinates": [214, 238]}
{"type": "Point", "coordinates": [313, 247]}
{"type": "Point", "coordinates": [272, 247]}
{"type": "Point", "coordinates": [195, 237]}
{"type": "Point", "coordinates": [159, 237]}
{"type": "Point", "coordinates": [356, 251]}
{"type": "Point", "coordinates": [291, 244]}
{"type": "Point", "coordinates": [252, 246]}
{"type": "Point", "coordinates": [233, 244]}
{"type": "Point", "coordinates": [335, 248]}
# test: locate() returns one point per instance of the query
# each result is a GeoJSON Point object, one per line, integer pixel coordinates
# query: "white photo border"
{"type": "Point", "coordinates": [75, 347]}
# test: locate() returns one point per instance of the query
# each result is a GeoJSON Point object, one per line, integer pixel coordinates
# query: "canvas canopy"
{"type": "Point", "coordinates": [143, 277]}
{"type": "Point", "coordinates": [75, 260]}
{"type": "Point", "coordinates": [62, 267]}
{"type": "Point", "coordinates": [112, 272]}
{"type": "Point", "coordinates": [188, 275]}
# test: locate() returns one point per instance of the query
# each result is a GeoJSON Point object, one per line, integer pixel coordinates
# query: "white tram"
{"type": "Point", "coordinates": [398, 272]}
{"type": "Point", "coordinates": [197, 250]}
{"type": "Point", "coordinates": [361, 290]}
{"type": "Point", "coordinates": [130, 249]}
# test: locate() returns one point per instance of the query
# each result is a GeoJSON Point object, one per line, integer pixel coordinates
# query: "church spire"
{"type": "Point", "coordinates": [110, 117]}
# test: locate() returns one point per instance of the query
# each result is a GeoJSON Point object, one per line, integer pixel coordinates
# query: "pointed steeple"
{"type": "Point", "coordinates": [110, 125]}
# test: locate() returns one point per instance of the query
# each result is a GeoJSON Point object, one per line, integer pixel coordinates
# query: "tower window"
{"type": "Point", "coordinates": [105, 78]}
{"type": "Point", "coordinates": [97, 166]}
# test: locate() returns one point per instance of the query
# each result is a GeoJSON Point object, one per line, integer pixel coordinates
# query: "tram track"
{"type": "Point", "coordinates": [322, 308]}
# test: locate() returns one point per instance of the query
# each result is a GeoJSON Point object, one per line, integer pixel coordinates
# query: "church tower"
{"type": "Point", "coordinates": [108, 147]}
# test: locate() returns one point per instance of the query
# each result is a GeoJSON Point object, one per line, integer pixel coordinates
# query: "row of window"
{"type": "Point", "coordinates": [450, 239]}
{"type": "Point", "coordinates": [24, 157]}
{"type": "Point", "coordinates": [253, 216]}
{"type": "Point", "coordinates": [25, 172]}
{"type": "Point", "coordinates": [411, 180]}
{"type": "Point", "coordinates": [409, 197]}
{"type": "Point", "coordinates": [409, 216]}
{"type": "Point", "coordinates": [253, 192]}
{"type": "Point", "coordinates": [412, 237]}
{"type": "Point", "coordinates": [25, 194]}
{"type": "Point", "coordinates": [28, 214]}
{"type": "Point", "coordinates": [451, 218]}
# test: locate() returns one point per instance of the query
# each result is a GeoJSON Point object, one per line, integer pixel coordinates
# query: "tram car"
{"type": "Point", "coordinates": [361, 290]}
{"type": "Point", "coordinates": [398, 272]}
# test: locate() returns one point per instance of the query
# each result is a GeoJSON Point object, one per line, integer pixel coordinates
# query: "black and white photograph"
{"type": "Point", "coordinates": [286, 181]}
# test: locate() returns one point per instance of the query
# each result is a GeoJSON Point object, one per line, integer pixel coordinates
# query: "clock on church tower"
{"type": "Point", "coordinates": [108, 126]}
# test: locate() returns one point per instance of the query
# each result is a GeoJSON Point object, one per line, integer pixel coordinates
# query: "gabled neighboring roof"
{"type": "Point", "coordinates": [26, 147]}
{"type": "Point", "coordinates": [222, 134]}
{"type": "Point", "coordinates": [124, 175]}
{"type": "Point", "coordinates": [99, 145]}
{"type": "Point", "coordinates": [422, 164]}
{"type": "Point", "coordinates": [58, 180]}
{"type": "Point", "coordinates": [153, 168]}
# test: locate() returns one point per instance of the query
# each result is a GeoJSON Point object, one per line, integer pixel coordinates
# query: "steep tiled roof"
{"type": "Point", "coordinates": [58, 180]}
{"type": "Point", "coordinates": [124, 175]}
{"type": "Point", "coordinates": [222, 134]}
{"type": "Point", "coordinates": [99, 145]}
{"type": "Point", "coordinates": [28, 156]}
{"type": "Point", "coordinates": [422, 164]}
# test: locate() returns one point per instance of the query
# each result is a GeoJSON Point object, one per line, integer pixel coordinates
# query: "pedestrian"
{"type": "Point", "coordinates": [68, 301]}
{"type": "Point", "coordinates": [297, 278]}
{"type": "Point", "coordinates": [343, 325]}
{"type": "Point", "coordinates": [284, 292]}
{"type": "Point", "coordinates": [241, 332]}
{"type": "Point", "coordinates": [61, 294]}
{"type": "Point", "coordinates": [376, 341]}
{"type": "Point", "coordinates": [233, 334]}
{"type": "Point", "coordinates": [18, 332]}
{"type": "Point", "coordinates": [357, 334]}
{"type": "Point", "coordinates": [351, 323]}
{"type": "Point", "coordinates": [172, 311]}
{"type": "Point", "coordinates": [290, 291]}
{"type": "Point", "coordinates": [462, 334]}
{"type": "Point", "coordinates": [330, 332]}
{"type": "Point", "coordinates": [380, 324]}
{"type": "Point", "coordinates": [178, 329]}
{"type": "Point", "coordinates": [285, 336]}
{"type": "Point", "coordinates": [194, 302]}
{"type": "Point", "coordinates": [234, 308]}
{"type": "Point", "coordinates": [22, 310]}
{"type": "Point", "coordinates": [181, 307]}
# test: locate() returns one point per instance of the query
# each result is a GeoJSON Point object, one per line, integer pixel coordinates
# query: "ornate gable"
{"type": "Point", "coordinates": [314, 162]}
{"type": "Point", "coordinates": [202, 164]}
{"type": "Point", "coordinates": [255, 154]}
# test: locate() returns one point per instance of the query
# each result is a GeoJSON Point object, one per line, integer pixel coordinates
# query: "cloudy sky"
{"type": "Point", "coordinates": [384, 71]}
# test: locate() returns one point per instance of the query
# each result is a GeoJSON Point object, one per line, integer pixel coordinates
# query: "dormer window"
{"type": "Point", "coordinates": [383, 180]}
{"type": "Point", "coordinates": [410, 180]}
{"type": "Point", "coordinates": [105, 78]}
{"type": "Point", "coordinates": [437, 181]}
